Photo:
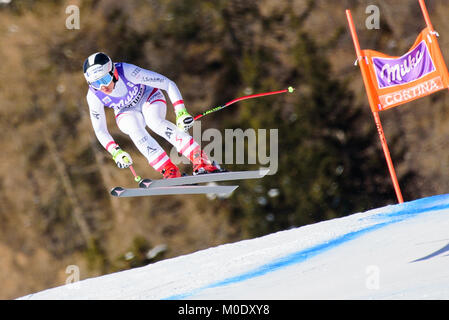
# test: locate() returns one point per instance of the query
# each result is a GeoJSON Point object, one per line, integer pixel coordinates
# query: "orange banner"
{"type": "Point", "coordinates": [394, 81]}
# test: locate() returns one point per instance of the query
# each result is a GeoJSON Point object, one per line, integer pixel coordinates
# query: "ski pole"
{"type": "Point", "coordinates": [290, 90]}
{"type": "Point", "coordinates": [136, 177]}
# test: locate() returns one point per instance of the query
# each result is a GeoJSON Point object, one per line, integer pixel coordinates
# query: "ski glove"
{"type": "Point", "coordinates": [121, 158]}
{"type": "Point", "coordinates": [184, 120]}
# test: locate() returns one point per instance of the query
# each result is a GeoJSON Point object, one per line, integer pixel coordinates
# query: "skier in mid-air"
{"type": "Point", "coordinates": [135, 95]}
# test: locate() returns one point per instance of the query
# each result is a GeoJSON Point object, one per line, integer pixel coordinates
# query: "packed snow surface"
{"type": "Point", "coordinates": [395, 252]}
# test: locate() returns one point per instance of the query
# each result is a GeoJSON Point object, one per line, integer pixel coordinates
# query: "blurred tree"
{"type": "Point", "coordinates": [330, 163]}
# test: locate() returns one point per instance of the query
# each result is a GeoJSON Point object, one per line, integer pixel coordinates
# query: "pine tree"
{"type": "Point", "coordinates": [330, 163]}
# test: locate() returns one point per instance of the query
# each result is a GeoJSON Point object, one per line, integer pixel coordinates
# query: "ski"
{"type": "Point", "coordinates": [159, 191]}
{"type": "Point", "coordinates": [204, 178]}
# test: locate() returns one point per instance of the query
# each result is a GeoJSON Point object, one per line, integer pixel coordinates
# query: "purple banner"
{"type": "Point", "coordinates": [410, 67]}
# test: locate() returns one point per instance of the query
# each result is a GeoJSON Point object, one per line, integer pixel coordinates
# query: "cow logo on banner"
{"type": "Point", "coordinates": [419, 72]}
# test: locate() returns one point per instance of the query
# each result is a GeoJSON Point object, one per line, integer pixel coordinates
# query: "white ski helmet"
{"type": "Point", "coordinates": [99, 70]}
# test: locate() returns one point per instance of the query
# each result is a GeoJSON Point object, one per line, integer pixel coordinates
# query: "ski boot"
{"type": "Point", "coordinates": [202, 165]}
{"type": "Point", "coordinates": [169, 171]}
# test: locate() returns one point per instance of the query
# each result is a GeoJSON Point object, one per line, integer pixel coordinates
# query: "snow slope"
{"type": "Point", "coordinates": [395, 252]}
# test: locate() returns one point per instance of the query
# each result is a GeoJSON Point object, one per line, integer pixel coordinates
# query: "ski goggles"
{"type": "Point", "coordinates": [105, 81]}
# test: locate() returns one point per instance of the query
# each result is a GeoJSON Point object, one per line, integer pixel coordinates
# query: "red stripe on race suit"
{"type": "Point", "coordinates": [178, 102]}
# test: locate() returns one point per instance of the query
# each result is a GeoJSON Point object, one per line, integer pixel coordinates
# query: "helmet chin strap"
{"type": "Point", "coordinates": [114, 75]}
